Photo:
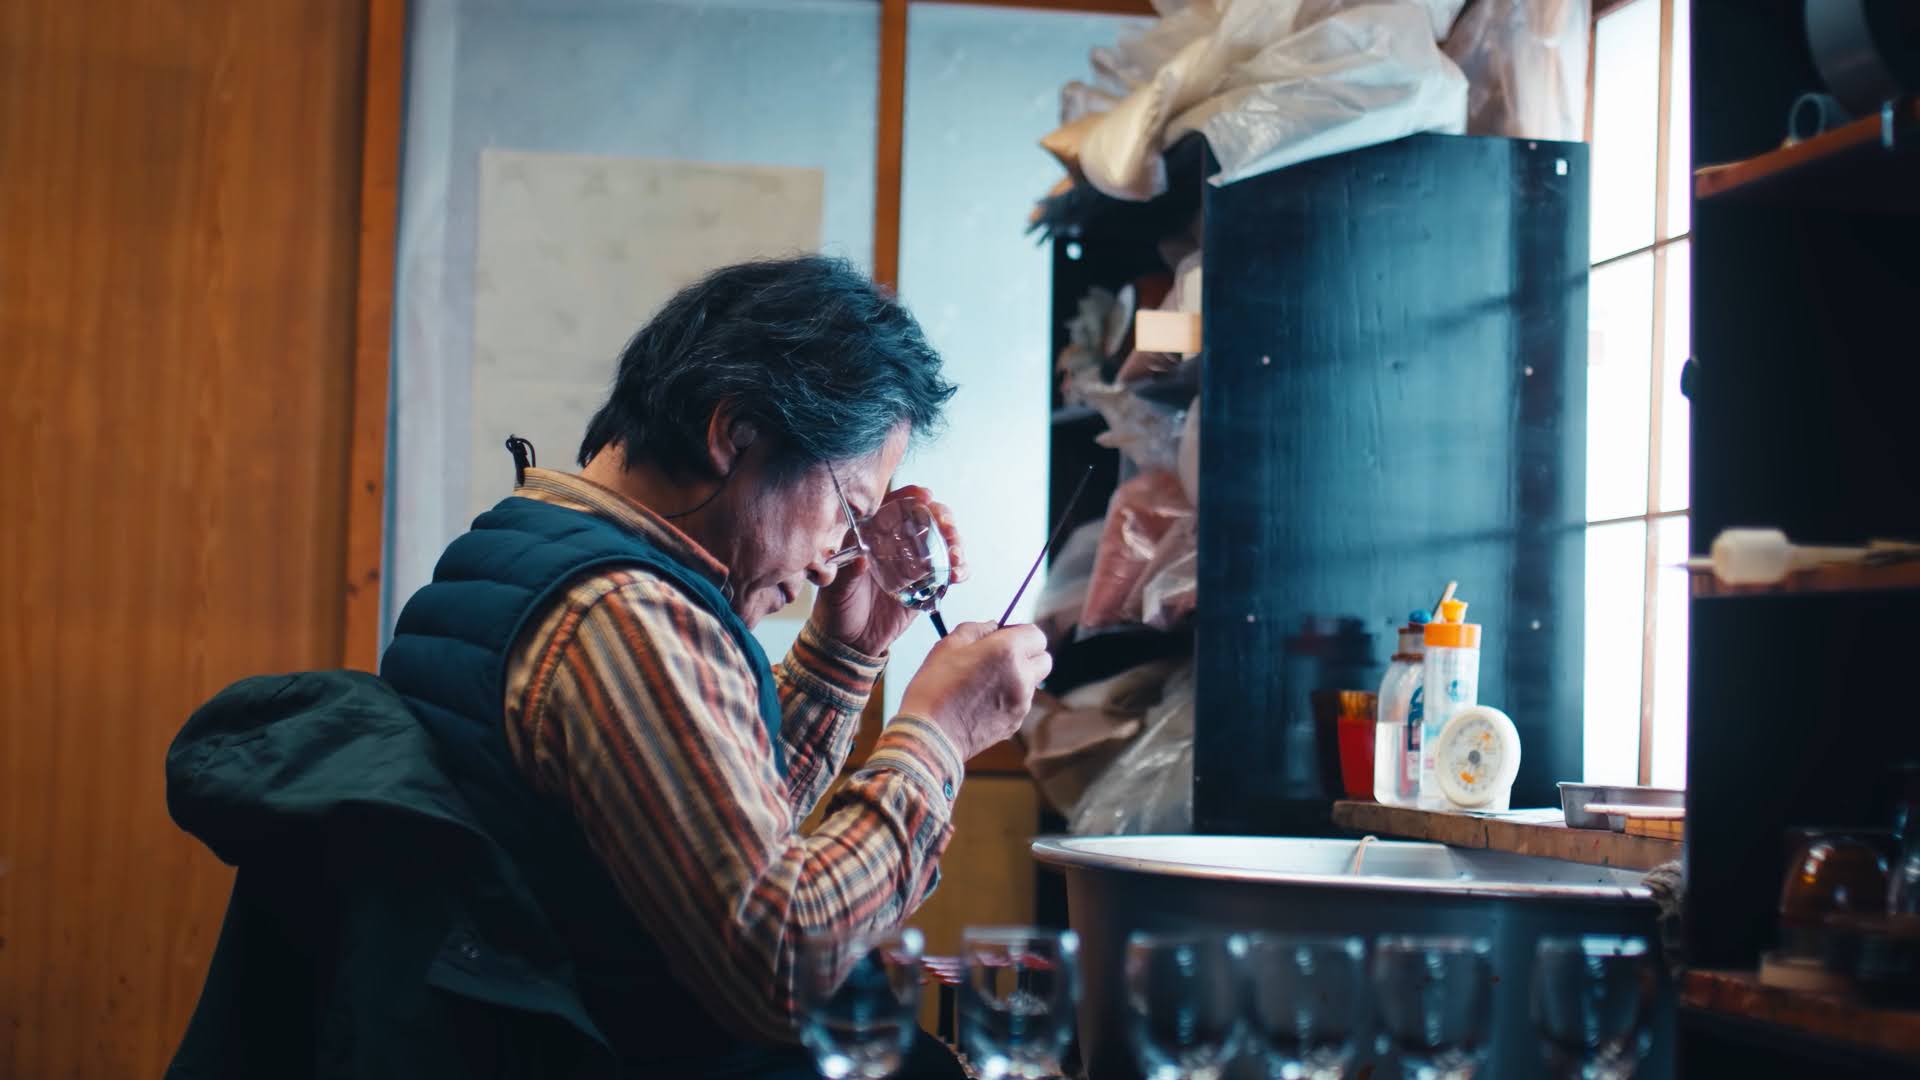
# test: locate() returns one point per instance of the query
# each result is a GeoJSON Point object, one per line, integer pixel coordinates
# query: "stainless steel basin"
{"type": "Point", "coordinates": [1118, 884]}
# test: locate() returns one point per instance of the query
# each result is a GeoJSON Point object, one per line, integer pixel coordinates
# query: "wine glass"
{"type": "Point", "coordinates": [1591, 1002]}
{"type": "Point", "coordinates": [904, 548]}
{"type": "Point", "coordinates": [1307, 1003]}
{"type": "Point", "coordinates": [1016, 1006]}
{"type": "Point", "coordinates": [1185, 994]}
{"type": "Point", "coordinates": [858, 999]}
{"type": "Point", "coordinates": [1436, 1003]}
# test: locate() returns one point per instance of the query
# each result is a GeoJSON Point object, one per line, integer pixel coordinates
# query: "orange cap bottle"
{"type": "Point", "coordinates": [1448, 631]}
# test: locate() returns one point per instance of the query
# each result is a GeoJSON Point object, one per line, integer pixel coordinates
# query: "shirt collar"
{"type": "Point", "coordinates": [582, 494]}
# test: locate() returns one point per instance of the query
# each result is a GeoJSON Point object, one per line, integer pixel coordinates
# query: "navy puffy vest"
{"type": "Point", "coordinates": [448, 660]}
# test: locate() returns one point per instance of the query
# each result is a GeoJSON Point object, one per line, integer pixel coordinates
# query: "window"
{"type": "Point", "coordinates": [1637, 423]}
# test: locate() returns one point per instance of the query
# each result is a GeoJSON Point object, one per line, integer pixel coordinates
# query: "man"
{"type": "Point", "coordinates": [595, 707]}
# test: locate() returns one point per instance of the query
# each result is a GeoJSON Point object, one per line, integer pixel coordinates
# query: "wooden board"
{"type": "Point", "coordinates": [1849, 161]}
{"type": "Point", "coordinates": [1659, 829]}
{"type": "Point", "coordinates": [1554, 841]}
{"type": "Point", "coordinates": [386, 63]}
{"type": "Point", "coordinates": [178, 197]}
{"type": "Point", "coordinates": [1837, 578]}
{"type": "Point", "coordinates": [1828, 1016]}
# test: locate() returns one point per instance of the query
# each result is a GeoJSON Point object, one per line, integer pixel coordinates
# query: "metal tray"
{"type": "Point", "coordinates": [1575, 798]}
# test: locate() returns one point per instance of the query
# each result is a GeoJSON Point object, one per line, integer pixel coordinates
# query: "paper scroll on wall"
{"type": "Point", "coordinates": [575, 252]}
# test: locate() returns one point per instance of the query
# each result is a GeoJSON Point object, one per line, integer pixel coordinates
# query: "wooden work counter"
{"type": "Point", "coordinates": [1537, 832]}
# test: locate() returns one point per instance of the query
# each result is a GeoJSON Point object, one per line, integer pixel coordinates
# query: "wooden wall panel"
{"type": "Point", "coordinates": [178, 211]}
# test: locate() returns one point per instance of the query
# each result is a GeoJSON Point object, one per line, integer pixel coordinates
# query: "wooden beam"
{"type": "Point", "coordinates": [1092, 7]}
{"type": "Point", "coordinates": [1593, 55]}
{"type": "Point", "coordinates": [1546, 838]}
{"type": "Point", "coordinates": [1657, 396]}
{"type": "Point", "coordinates": [891, 140]}
{"type": "Point", "coordinates": [385, 81]}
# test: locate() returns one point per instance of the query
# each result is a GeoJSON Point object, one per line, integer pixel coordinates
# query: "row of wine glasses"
{"type": "Point", "coordinates": [859, 998]}
{"type": "Point", "coordinates": [1301, 1006]}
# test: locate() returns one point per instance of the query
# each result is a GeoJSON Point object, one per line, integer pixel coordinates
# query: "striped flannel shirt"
{"type": "Point", "coordinates": [630, 703]}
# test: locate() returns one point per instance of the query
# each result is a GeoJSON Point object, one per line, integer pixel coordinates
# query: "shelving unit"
{"type": "Point", "coordinates": [1838, 578]}
{"type": "Point", "coordinates": [1805, 293]}
{"type": "Point", "coordinates": [1873, 161]}
{"type": "Point", "coordinates": [1544, 834]}
{"type": "Point", "coordinates": [1741, 997]}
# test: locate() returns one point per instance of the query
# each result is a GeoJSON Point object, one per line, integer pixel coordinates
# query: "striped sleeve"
{"type": "Point", "coordinates": [632, 705]}
{"type": "Point", "coordinates": [823, 687]}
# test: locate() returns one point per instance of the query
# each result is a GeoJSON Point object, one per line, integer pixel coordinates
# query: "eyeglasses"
{"type": "Point", "coordinates": [857, 548]}
{"type": "Point", "coordinates": [904, 549]}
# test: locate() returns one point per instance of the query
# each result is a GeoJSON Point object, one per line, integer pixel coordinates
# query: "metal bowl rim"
{"type": "Point", "coordinates": [1056, 852]}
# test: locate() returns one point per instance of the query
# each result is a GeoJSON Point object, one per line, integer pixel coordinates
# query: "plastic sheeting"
{"type": "Point", "coordinates": [1143, 511]}
{"type": "Point", "coordinates": [1149, 787]}
{"type": "Point", "coordinates": [1270, 83]}
{"type": "Point", "coordinates": [1526, 66]}
{"type": "Point", "coordinates": [1359, 77]}
{"type": "Point", "coordinates": [1071, 740]}
{"type": "Point", "coordinates": [1065, 593]}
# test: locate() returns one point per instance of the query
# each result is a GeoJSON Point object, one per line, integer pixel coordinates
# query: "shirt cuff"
{"type": "Point", "coordinates": [831, 672]}
{"type": "Point", "coordinates": [913, 745]}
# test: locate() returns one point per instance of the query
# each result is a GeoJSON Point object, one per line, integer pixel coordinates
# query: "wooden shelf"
{"type": "Point", "coordinates": [1850, 167]}
{"type": "Point", "coordinates": [1537, 833]}
{"type": "Point", "coordinates": [1837, 578]}
{"type": "Point", "coordinates": [1833, 1017]}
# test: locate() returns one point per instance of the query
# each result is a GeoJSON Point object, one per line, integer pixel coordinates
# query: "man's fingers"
{"type": "Point", "coordinates": [969, 632]}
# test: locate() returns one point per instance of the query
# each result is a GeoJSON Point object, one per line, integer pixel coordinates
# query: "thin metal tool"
{"type": "Point", "coordinates": [1058, 527]}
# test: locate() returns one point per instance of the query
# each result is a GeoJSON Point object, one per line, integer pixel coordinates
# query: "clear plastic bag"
{"type": "Point", "coordinates": [1526, 67]}
{"type": "Point", "coordinates": [1142, 511]}
{"type": "Point", "coordinates": [1070, 741]}
{"type": "Point", "coordinates": [1361, 76]}
{"type": "Point", "coordinates": [1065, 592]}
{"type": "Point", "coordinates": [1149, 787]}
{"type": "Point", "coordinates": [1270, 83]}
{"type": "Point", "coordinates": [1169, 586]}
{"type": "Point", "coordinates": [1141, 53]}
{"type": "Point", "coordinates": [1148, 434]}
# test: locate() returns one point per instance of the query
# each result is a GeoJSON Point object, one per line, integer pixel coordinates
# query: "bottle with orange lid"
{"type": "Point", "coordinates": [1450, 683]}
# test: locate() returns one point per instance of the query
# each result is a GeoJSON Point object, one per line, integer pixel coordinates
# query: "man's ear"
{"type": "Point", "coordinates": [728, 437]}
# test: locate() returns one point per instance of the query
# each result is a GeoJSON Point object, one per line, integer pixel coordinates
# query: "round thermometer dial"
{"type": "Point", "coordinates": [1476, 757]}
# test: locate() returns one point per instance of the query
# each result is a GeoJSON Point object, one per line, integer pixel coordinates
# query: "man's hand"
{"type": "Point", "coordinates": [857, 613]}
{"type": "Point", "coordinates": [978, 683]}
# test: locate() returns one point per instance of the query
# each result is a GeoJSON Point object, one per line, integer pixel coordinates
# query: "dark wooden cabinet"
{"type": "Point", "coordinates": [1804, 380]}
{"type": "Point", "coordinates": [1394, 396]}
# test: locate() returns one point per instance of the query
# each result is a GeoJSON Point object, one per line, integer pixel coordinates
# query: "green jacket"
{"type": "Point", "coordinates": [375, 929]}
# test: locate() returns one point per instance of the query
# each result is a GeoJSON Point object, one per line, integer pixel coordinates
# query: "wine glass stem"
{"type": "Point", "coordinates": [939, 624]}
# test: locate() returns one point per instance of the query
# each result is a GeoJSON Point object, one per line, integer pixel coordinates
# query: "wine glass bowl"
{"type": "Point", "coordinates": [1017, 1002]}
{"type": "Point", "coordinates": [1307, 1003]}
{"type": "Point", "coordinates": [858, 999]}
{"type": "Point", "coordinates": [1592, 999]}
{"type": "Point", "coordinates": [1185, 1003]}
{"type": "Point", "coordinates": [1435, 998]}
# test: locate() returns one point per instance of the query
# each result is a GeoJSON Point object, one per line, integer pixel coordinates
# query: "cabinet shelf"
{"type": "Point", "coordinates": [1834, 1018]}
{"type": "Point", "coordinates": [1837, 578]}
{"type": "Point", "coordinates": [1541, 833]}
{"type": "Point", "coordinates": [1868, 164]}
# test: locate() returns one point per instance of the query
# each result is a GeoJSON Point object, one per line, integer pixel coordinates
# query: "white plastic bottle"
{"type": "Point", "coordinates": [1451, 682]}
{"type": "Point", "coordinates": [1396, 734]}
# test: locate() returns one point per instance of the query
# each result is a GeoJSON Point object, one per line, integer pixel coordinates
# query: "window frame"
{"type": "Point", "coordinates": [1660, 364]}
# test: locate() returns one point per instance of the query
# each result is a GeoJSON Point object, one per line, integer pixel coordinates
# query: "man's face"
{"type": "Point", "coordinates": [785, 532]}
